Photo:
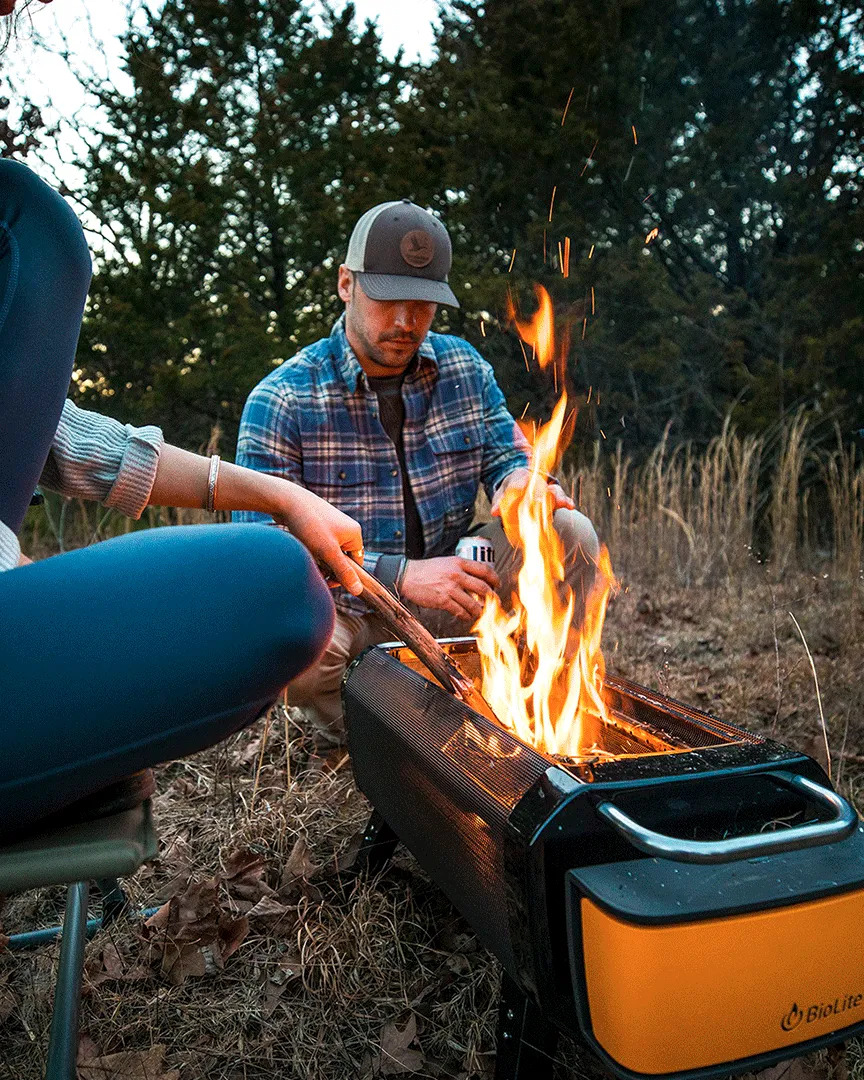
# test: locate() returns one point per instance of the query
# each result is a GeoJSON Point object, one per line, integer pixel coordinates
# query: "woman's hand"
{"type": "Point", "coordinates": [332, 537]}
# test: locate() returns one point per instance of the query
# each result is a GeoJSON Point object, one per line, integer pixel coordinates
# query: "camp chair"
{"type": "Point", "coordinates": [114, 840]}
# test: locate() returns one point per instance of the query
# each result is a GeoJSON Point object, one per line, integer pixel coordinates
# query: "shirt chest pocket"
{"type": "Point", "coordinates": [458, 459]}
{"type": "Point", "coordinates": [346, 483]}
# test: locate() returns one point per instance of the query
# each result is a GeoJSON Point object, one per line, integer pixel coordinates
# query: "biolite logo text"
{"type": "Point", "coordinates": [821, 1010]}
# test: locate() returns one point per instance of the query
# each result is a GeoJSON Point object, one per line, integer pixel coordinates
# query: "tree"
{"type": "Point", "coordinates": [732, 127]}
{"type": "Point", "coordinates": [227, 182]}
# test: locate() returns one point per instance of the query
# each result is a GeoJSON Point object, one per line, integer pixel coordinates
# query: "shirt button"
{"type": "Point", "coordinates": [467, 438]}
{"type": "Point", "coordinates": [342, 475]}
{"type": "Point", "coordinates": [394, 472]}
{"type": "Point", "coordinates": [398, 534]}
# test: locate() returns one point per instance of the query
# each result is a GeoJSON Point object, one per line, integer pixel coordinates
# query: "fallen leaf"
{"type": "Point", "coordinates": [397, 1055]}
{"type": "Point", "coordinates": [191, 934]}
{"type": "Point", "coordinates": [88, 1049]}
{"type": "Point", "coordinates": [267, 907]}
{"type": "Point", "coordinates": [232, 933]}
{"type": "Point", "coordinates": [114, 967]}
{"type": "Point", "coordinates": [129, 1065]}
{"type": "Point", "coordinates": [272, 993]}
{"type": "Point", "coordinates": [299, 864]}
{"type": "Point", "coordinates": [243, 866]}
{"type": "Point", "coordinates": [179, 962]}
{"type": "Point", "coordinates": [458, 963]}
{"type": "Point", "coordinates": [243, 755]}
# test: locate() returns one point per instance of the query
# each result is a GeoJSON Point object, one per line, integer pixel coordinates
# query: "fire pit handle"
{"type": "Point", "coordinates": [842, 824]}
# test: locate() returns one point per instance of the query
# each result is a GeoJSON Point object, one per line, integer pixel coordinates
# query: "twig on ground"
{"type": "Point", "coordinates": [260, 761]}
{"type": "Point", "coordinates": [818, 694]}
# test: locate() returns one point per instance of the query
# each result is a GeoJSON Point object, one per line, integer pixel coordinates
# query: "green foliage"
{"type": "Point", "coordinates": [732, 126]}
{"type": "Point", "coordinates": [228, 179]}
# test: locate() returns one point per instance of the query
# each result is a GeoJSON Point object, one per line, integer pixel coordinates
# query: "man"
{"type": "Point", "coordinates": [399, 427]}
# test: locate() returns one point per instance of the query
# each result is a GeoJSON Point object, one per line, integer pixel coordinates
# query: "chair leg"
{"type": "Point", "coordinates": [63, 1042]}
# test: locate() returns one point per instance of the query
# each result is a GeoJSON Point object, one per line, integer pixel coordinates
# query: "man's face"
{"type": "Point", "coordinates": [384, 334]}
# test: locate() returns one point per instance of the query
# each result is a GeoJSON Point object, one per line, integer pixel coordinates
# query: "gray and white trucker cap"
{"type": "Point", "coordinates": [401, 252]}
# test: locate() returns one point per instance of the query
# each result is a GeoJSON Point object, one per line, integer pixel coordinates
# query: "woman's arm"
{"type": "Point", "coordinates": [96, 457]}
{"type": "Point", "coordinates": [182, 479]}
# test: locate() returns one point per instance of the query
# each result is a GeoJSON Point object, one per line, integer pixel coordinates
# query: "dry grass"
{"type": "Point", "coordinates": [340, 978]}
{"type": "Point", "coordinates": [697, 516]}
{"type": "Point", "coordinates": [334, 969]}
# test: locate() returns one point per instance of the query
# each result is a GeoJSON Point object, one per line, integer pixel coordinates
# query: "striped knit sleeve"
{"type": "Point", "coordinates": [96, 457]}
{"type": "Point", "coordinates": [9, 549]}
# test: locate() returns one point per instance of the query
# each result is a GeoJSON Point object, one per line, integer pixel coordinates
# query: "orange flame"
{"type": "Point", "coordinates": [541, 673]}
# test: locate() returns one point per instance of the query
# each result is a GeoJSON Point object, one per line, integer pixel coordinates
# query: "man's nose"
{"type": "Point", "coordinates": [406, 315]}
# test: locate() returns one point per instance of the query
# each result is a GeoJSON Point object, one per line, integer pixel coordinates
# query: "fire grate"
{"type": "Point", "coordinates": [672, 822]}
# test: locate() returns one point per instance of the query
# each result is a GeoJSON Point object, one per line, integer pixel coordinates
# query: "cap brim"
{"type": "Point", "coordinates": [406, 287]}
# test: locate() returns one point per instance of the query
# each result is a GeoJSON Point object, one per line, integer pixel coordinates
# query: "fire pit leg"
{"type": "Point", "coordinates": [377, 847]}
{"type": "Point", "coordinates": [526, 1040]}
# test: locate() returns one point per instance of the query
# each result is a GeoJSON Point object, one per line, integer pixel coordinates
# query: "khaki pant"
{"type": "Point", "coordinates": [317, 690]}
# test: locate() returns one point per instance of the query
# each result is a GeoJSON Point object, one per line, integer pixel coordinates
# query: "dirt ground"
{"type": "Point", "coordinates": [271, 961]}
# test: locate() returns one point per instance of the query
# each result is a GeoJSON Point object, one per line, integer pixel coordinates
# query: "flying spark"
{"type": "Point", "coordinates": [512, 260]}
{"type": "Point", "coordinates": [567, 106]}
{"type": "Point", "coordinates": [635, 138]}
{"type": "Point", "coordinates": [589, 159]}
{"type": "Point", "coordinates": [552, 201]}
{"type": "Point", "coordinates": [655, 232]}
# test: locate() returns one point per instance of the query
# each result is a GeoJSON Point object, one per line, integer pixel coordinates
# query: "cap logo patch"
{"type": "Point", "coordinates": [417, 248]}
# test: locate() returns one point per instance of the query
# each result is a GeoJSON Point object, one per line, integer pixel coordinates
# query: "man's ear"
{"type": "Point", "coordinates": [344, 286]}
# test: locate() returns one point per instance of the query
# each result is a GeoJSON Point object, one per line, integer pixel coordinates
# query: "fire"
{"type": "Point", "coordinates": [542, 674]}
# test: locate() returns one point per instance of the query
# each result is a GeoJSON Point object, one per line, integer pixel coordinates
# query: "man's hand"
{"type": "Point", "coordinates": [519, 479]}
{"type": "Point", "coordinates": [451, 584]}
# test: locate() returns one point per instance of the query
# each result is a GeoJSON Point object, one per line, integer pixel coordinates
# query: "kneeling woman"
{"type": "Point", "coordinates": [159, 643]}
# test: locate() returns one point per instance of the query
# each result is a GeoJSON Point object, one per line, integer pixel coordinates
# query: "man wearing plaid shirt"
{"type": "Point", "coordinates": [398, 428]}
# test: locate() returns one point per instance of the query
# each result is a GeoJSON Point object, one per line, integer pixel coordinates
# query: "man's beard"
{"type": "Point", "coordinates": [382, 356]}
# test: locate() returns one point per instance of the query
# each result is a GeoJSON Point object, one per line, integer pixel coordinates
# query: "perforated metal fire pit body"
{"type": "Point", "coordinates": [509, 834]}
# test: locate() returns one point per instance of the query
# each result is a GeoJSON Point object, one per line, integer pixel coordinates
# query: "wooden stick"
{"type": "Point", "coordinates": [398, 619]}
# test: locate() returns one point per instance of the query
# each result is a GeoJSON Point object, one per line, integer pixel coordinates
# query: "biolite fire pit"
{"type": "Point", "coordinates": [684, 896]}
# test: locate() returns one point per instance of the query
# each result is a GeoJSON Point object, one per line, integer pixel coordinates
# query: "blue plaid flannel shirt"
{"type": "Point", "coordinates": [314, 420]}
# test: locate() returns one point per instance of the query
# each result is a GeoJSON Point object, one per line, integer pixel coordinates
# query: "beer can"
{"type": "Point", "coordinates": [476, 548]}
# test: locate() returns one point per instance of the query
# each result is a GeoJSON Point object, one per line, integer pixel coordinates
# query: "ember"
{"type": "Point", "coordinates": [542, 675]}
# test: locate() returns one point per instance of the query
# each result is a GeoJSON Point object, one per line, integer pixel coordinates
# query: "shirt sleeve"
{"type": "Point", "coordinates": [10, 550]}
{"type": "Point", "coordinates": [269, 439]}
{"type": "Point", "coordinates": [505, 447]}
{"type": "Point", "coordinates": [96, 457]}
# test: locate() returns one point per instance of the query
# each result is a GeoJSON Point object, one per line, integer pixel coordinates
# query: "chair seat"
{"type": "Point", "coordinates": [109, 847]}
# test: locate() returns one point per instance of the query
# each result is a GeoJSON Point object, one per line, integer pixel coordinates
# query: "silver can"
{"type": "Point", "coordinates": [476, 548]}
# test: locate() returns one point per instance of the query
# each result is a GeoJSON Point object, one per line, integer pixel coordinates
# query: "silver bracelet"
{"type": "Point", "coordinates": [212, 481]}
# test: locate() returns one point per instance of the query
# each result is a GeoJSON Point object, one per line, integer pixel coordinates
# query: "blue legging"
{"type": "Point", "coordinates": [140, 649]}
